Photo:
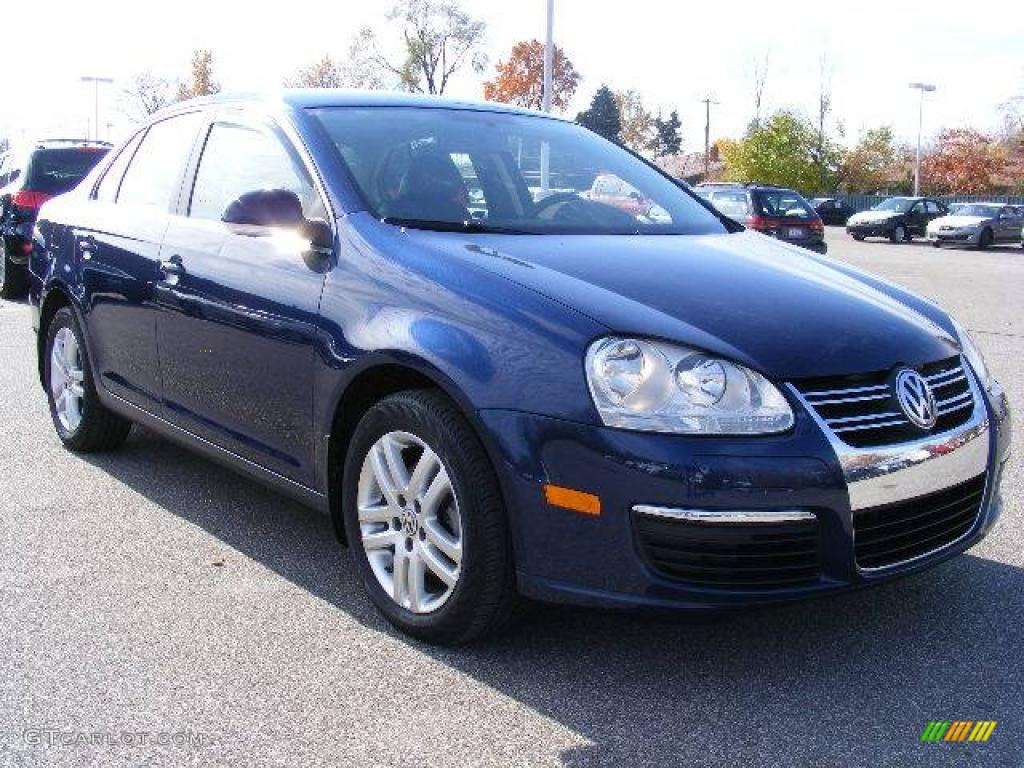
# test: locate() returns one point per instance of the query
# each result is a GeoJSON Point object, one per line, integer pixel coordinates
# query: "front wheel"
{"type": "Point", "coordinates": [898, 234]}
{"type": "Point", "coordinates": [985, 239]}
{"type": "Point", "coordinates": [425, 520]}
{"type": "Point", "coordinates": [82, 422]}
{"type": "Point", "coordinates": [858, 238]}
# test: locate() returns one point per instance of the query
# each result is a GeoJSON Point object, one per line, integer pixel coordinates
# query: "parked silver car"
{"type": "Point", "coordinates": [978, 224]}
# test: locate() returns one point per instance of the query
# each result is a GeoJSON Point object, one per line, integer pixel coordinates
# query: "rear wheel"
{"type": "Point", "coordinates": [425, 520]}
{"type": "Point", "coordinates": [985, 239]}
{"type": "Point", "coordinates": [82, 422]}
{"type": "Point", "coordinates": [13, 277]}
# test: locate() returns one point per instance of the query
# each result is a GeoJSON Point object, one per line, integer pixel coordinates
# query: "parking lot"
{"type": "Point", "coordinates": [148, 592]}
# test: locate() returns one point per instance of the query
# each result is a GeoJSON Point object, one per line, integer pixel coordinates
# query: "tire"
{"type": "Point", "coordinates": [898, 234]}
{"type": "Point", "coordinates": [82, 422]}
{"type": "Point", "coordinates": [480, 597]}
{"type": "Point", "coordinates": [935, 244]}
{"type": "Point", "coordinates": [13, 277]}
{"type": "Point", "coordinates": [858, 238]}
{"type": "Point", "coordinates": [985, 239]}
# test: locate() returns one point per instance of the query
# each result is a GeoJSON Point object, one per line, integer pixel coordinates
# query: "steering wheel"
{"type": "Point", "coordinates": [558, 198]}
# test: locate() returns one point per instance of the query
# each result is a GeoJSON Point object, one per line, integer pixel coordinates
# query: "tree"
{"type": "Point", "coordinates": [875, 162]}
{"type": "Point", "coordinates": [667, 140]}
{"type": "Point", "coordinates": [964, 162]}
{"type": "Point", "coordinates": [759, 74]}
{"type": "Point", "coordinates": [145, 95]}
{"type": "Point", "coordinates": [520, 78]}
{"type": "Point", "coordinates": [202, 82]}
{"type": "Point", "coordinates": [637, 123]}
{"type": "Point", "coordinates": [603, 116]}
{"type": "Point", "coordinates": [783, 150]}
{"type": "Point", "coordinates": [325, 72]}
{"type": "Point", "coordinates": [438, 39]}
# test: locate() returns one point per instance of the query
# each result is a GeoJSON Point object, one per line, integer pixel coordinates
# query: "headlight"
{"type": "Point", "coordinates": [974, 357]}
{"type": "Point", "coordinates": [657, 387]}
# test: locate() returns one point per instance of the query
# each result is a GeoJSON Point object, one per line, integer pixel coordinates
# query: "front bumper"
{"type": "Point", "coordinates": [564, 556]}
{"type": "Point", "coordinates": [954, 237]}
{"type": "Point", "coordinates": [871, 229]}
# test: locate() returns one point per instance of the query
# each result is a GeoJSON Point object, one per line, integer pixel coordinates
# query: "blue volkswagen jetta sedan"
{"type": "Point", "coordinates": [414, 315]}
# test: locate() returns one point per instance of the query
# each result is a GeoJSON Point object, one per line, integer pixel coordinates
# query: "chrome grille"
{"type": "Point", "coordinates": [862, 410]}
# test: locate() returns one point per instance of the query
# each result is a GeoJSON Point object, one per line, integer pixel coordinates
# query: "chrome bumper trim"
{"type": "Point", "coordinates": [727, 517]}
{"type": "Point", "coordinates": [890, 473]}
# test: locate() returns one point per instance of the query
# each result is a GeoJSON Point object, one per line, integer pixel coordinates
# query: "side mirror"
{"type": "Point", "coordinates": [321, 244]}
{"type": "Point", "coordinates": [265, 208]}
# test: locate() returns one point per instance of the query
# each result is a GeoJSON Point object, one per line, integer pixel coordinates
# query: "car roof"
{"type": "Point", "coordinates": [309, 98]}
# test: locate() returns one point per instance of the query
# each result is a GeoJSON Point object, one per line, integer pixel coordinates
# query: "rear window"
{"type": "Point", "coordinates": [732, 203]}
{"type": "Point", "coordinates": [54, 171]}
{"type": "Point", "coordinates": [783, 204]}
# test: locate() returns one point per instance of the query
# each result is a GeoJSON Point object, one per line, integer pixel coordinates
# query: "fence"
{"type": "Point", "coordinates": [863, 202]}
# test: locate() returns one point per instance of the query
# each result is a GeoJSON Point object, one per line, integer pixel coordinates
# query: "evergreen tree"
{"type": "Point", "coordinates": [667, 138]}
{"type": "Point", "coordinates": [603, 117]}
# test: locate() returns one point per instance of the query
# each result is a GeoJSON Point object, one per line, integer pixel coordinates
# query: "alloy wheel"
{"type": "Point", "coordinates": [409, 522]}
{"type": "Point", "coordinates": [67, 379]}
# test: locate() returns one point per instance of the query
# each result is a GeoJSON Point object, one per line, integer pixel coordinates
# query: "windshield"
{"type": "Point", "coordinates": [984, 211]}
{"type": "Point", "coordinates": [435, 168]}
{"type": "Point", "coordinates": [898, 204]}
{"type": "Point", "coordinates": [784, 204]}
{"type": "Point", "coordinates": [54, 171]}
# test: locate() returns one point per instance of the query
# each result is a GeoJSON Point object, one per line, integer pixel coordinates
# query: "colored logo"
{"type": "Point", "coordinates": [958, 730]}
{"type": "Point", "coordinates": [915, 398]}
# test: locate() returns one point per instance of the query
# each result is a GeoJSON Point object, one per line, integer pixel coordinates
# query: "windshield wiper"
{"type": "Point", "coordinates": [470, 225]}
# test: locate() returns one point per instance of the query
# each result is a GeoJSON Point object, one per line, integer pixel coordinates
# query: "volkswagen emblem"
{"type": "Point", "coordinates": [915, 398]}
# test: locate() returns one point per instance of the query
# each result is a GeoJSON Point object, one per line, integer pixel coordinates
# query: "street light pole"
{"type": "Point", "coordinates": [707, 101]}
{"type": "Point", "coordinates": [96, 100]}
{"type": "Point", "coordinates": [549, 64]}
{"type": "Point", "coordinates": [923, 88]}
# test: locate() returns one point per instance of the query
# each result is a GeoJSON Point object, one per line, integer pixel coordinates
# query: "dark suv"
{"type": "Point", "coordinates": [27, 180]}
{"type": "Point", "coordinates": [775, 211]}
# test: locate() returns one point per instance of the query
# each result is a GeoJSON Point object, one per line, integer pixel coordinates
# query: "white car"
{"type": "Point", "coordinates": [978, 224]}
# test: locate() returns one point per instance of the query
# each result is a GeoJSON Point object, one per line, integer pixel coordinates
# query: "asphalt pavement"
{"type": "Point", "coordinates": [157, 609]}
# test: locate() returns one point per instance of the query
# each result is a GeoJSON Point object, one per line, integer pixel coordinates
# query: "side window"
{"type": "Point", "coordinates": [236, 160]}
{"type": "Point", "coordinates": [111, 181]}
{"type": "Point", "coordinates": [933, 207]}
{"type": "Point", "coordinates": [918, 207]}
{"type": "Point", "coordinates": [154, 173]}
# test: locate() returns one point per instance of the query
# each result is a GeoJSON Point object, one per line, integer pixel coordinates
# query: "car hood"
{"type": "Point", "coordinates": [870, 217]}
{"type": "Point", "coordinates": [771, 306]}
{"type": "Point", "coordinates": [959, 221]}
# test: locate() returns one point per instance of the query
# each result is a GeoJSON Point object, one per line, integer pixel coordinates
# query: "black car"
{"type": "Point", "coordinates": [898, 218]}
{"type": "Point", "coordinates": [27, 180]}
{"type": "Point", "coordinates": [775, 211]}
{"type": "Point", "coordinates": [832, 210]}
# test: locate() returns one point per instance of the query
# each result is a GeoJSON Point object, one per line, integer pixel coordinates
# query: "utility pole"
{"type": "Point", "coordinates": [923, 88]}
{"type": "Point", "coordinates": [707, 101]}
{"type": "Point", "coordinates": [549, 63]}
{"type": "Point", "coordinates": [96, 99]}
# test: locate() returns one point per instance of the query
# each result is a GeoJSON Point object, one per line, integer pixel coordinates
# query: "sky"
{"type": "Point", "coordinates": [673, 52]}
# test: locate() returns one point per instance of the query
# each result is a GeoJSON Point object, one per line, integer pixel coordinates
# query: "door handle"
{"type": "Point", "coordinates": [172, 266]}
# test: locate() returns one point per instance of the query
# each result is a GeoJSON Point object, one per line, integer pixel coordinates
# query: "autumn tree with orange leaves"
{"type": "Point", "coordinates": [963, 162]}
{"type": "Point", "coordinates": [520, 78]}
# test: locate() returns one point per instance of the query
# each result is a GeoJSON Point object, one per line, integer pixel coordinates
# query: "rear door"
{"type": "Point", "coordinates": [1008, 224]}
{"type": "Point", "coordinates": [118, 239]}
{"type": "Point", "coordinates": [238, 320]}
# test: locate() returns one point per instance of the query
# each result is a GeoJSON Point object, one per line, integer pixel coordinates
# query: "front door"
{"type": "Point", "coordinates": [239, 307]}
